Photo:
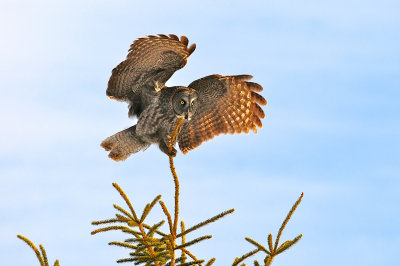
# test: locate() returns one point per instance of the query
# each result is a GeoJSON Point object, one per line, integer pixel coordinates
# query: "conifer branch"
{"type": "Point", "coordinates": [213, 219]}
{"type": "Point", "coordinates": [40, 255]}
{"type": "Point", "coordinates": [154, 228]}
{"type": "Point", "coordinates": [198, 262]}
{"type": "Point", "coordinates": [268, 260]}
{"type": "Point", "coordinates": [210, 262]}
{"type": "Point", "coordinates": [126, 260]}
{"type": "Point", "coordinates": [194, 241]}
{"type": "Point", "coordinates": [124, 219]}
{"type": "Point", "coordinates": [149, 247]}
{"type": "Point", "coordinates": [148, 208]}
{"type": "Point", "coordinates": [273, 248]}
{"type": "Point", "coordinates": [44, 255]}
{"type": "Point", "coordinates": [270, 244]}
{"type": "Point", "coordinates": [287, 244]}
{"type": "Point", "coordinates": [122, 244]}
{"type": "Point", "coordinates": [190, 254]}
{"type": "Point", "coordinates": [145, 212]}
{"type": "Point", "coordinates": [166, 212]}
{"type": "Point", "coordinates": [158, 232]}
{"type": "Point", "coordinates": [123, 211]}
{"type": "Point", "coordinates": [176, 182]}
{"type": "Point", "coordinates": [260, 247]}
{"type": "Point", "coordinates": [245, 256]}
{"type": "Point", "coordinates": [174, 175]}
{"type": "Point", "coordinates": [173, 227]}
{"type": "Point", "coordinates": [34, 248]}
{"type": "Point", "coordinates": [105, 221]}
{"type": "Point", "coordinates": [287, 220]}
{"type": "Point", "coordinates": [109, 228]}
{"type": "Point", "coordinates": [172, 245]}
{"type": "Point", "coordinates": [183, 255]}
{"type": "Point", "coordinates": [123, 195]}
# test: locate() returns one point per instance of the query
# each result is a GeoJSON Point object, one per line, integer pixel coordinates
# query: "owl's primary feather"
{"type": "Point", "coordinates": [213, 104]}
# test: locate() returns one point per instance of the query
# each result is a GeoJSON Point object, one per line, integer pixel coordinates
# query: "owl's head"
{"type": "Point", "coordinates": [184, 102]}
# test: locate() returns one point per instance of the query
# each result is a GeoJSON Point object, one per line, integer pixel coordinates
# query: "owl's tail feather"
{"type": "Point", "coordinates": [124, 143]}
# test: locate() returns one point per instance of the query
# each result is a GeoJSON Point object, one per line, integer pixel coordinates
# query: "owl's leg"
{"type": "Point", "coordinates": [164, 148]}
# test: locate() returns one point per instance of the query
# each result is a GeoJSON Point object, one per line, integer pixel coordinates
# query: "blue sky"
{"type": "Point", "coordinates": [331, 76]}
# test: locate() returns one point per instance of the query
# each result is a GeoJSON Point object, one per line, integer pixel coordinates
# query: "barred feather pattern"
{"type": "Point", "coordinates": [151, 61]}
{"type": "Point", "coordinates": [229, 104]}
{"type": "Point", "coordinates": [149, 120]}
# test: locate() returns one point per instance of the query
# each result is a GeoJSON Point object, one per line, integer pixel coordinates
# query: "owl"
{"type": "Point", "coordinates": [211, 105]}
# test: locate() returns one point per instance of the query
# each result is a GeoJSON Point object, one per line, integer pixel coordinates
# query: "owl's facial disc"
{"type": "Point", "coordinates": [184, 103]}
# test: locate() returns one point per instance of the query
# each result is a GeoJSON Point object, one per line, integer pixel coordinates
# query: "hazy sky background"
{"type": "Point", "coordinates": [331, 76]}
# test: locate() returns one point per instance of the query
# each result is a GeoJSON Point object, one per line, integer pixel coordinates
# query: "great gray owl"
{"type": "Point", "coordinates": [211, 105]}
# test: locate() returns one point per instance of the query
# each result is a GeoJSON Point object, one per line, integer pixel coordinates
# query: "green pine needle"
{"type": "Point", "coordinates": [213, 219]}
{"type": "Point", "coordinates": [197, 240]}
{"type": "Point", "coordinates": [40, 255]}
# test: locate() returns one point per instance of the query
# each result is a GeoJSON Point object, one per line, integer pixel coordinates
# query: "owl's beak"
{"type": "Point", "coordinates": [188, 115]}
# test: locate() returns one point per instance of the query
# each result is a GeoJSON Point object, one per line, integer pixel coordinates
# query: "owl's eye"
{"type": "Point", "coordinates": [192, 103]}
{"type": "Point", "coordinates": [182, 102]}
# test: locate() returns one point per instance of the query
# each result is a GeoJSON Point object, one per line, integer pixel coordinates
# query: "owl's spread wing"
{"type": "Point", "coordinates": [151, 61]}
{"type": "Point", "coordinates": [226, 104]}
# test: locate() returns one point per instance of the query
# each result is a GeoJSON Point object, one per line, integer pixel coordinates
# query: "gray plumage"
{"type": "Point", "coordinates": [211, 105]}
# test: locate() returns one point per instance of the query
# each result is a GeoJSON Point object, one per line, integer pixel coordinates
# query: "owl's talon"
{"type": "Point", "coordinates": [169, 142]}
{"type": "Point", "coordinates": [172, 153]}
{"type": "Point", "coordinates": [158, 86]}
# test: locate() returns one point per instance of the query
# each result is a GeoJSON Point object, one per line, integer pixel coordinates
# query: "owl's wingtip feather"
{"type": "Point", "coordinates": [192, 48]}
{"type": "Point", "coordinates": [258, 98]}
{"type": "Point", "coordinates": [174, 37]}
{"type": "Point", "coordinates": [254, 86]}
{"type": "Point", "coordinates": [184, 40]}
{"type": "Point", "coordinates": [243, 77]}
